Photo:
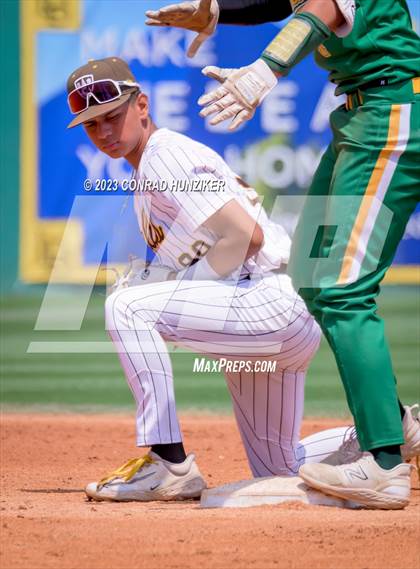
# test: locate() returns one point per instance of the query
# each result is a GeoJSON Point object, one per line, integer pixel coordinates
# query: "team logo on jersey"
{"type": "Point", "coordinates": [322, 50]}
{"type": "Point", "coordinates": [153, 234]}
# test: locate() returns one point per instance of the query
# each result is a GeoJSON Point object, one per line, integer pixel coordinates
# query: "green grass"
{"type": "Point", "coordinates": [94, 381]}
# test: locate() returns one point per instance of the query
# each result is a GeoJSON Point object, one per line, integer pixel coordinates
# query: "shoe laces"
{"type": "Point", "coordinates": [127, 470]}
{"type": "Point", "coordinates": [415, 417]}
{"type": "Point", "coordinates": [413, 408]}
{"type": "Point", "coordinates": [348, 444]}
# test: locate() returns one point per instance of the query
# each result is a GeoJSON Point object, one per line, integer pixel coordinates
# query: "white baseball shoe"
{"type": "Point", "coordinates": [349, 450]}
{"type": "Point", "coordinates": [411, 427]}
{"type": "Point", "coordinates": [149, 478]}
{"type": "Point", "coordinates": [363, 482]}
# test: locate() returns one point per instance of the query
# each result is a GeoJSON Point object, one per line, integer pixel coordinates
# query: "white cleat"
{"type": "Point", "coordinates": [349, 450]}
{"type": "Point", "coordinates": [363, 482]}
{"type": "Point", "coordinates": [148, 479]}
{"type": "Point", "coordinates": [411, 427]}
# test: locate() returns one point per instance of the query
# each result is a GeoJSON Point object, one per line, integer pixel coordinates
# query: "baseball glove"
{"type": "Point", "coordinates": [138, 272]}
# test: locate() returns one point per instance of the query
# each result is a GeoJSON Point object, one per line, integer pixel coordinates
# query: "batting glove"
{"type": "Point", "coordinates": [199, 16]}
{"type": "Point", "coordinates": [241, 92]}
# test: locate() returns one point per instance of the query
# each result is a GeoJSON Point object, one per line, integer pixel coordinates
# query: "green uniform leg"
{"type": "Point", "coordinates": [374, 158]}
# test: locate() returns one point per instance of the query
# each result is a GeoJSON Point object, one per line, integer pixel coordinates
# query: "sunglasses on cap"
{"type": "Point", "coordinates": [102, 91]}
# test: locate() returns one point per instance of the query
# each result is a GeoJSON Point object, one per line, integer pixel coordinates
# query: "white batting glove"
{"type": "Point", "coordinates": [199, 16]}
{"type": "Point", "coordinates": [241, 92]}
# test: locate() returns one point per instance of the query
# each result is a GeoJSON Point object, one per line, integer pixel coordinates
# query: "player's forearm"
{"type": "Point", "coordinates": [327, 11]}
{"type": "Point", "coordinates": [227, 254]}
{"type": "Point", "coordinates": [310, 27]}
{"type": "Point", "coordinates": [239, 238]}
{"type": "Point", "coordinates": [232, 251]}
{"type": "Point", "coordinates": [251, 12]}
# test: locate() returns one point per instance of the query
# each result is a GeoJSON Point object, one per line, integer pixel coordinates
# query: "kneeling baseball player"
{"type": "Point", "coordinates": [216, 285]}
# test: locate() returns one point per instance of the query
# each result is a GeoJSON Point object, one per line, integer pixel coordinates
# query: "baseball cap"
{"type": "Point", "coordinates": [113, 68]}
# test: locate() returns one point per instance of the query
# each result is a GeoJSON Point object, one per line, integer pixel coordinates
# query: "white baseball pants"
{"type": "Point", "coordinates": [259, 319]}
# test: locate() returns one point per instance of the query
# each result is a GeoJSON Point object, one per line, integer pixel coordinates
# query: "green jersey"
{"type": "Point", "coordinates": [382, 44]}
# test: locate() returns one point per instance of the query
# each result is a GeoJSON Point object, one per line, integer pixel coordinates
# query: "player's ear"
{"type": "Point", "coordinates": [141, 102]}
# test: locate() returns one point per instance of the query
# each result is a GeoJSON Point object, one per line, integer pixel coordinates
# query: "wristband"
{"type": "Point", "coordinates": [200, 271]}
{"type": "Point", "coordinates": [302, 35]}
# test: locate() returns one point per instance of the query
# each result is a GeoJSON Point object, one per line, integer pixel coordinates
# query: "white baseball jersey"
{"type": "Point", "coordinates": [171, 209]}
{"type": "Point", "coordinates": [257, 319]}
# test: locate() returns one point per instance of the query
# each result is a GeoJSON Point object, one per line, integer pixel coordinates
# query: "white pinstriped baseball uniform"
{"type": "Point", "coordinates": [251, 318]}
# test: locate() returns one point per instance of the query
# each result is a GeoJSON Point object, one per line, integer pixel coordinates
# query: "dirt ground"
{"type": "Point", "coordinates": [47, 523]}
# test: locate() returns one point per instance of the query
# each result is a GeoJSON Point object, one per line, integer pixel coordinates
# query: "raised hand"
{"type": "Point", "coordinates": [242, 90]}
{"type": "Point", "coordinates": [199, 16]}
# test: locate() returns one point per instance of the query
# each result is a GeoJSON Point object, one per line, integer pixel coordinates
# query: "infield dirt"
{"type": "Point", "coordinates": [46, 522]}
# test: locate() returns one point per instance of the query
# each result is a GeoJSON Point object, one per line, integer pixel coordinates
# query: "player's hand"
{"type": "Point", "coordinates": [241, 92]}
{"type": "Point", "coordinates": [198, 16]}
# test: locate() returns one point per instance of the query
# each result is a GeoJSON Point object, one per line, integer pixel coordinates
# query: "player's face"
{"type": "Point", "coordinates": [121, 131]}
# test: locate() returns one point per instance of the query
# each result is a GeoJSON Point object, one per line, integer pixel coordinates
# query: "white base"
{"type": "Point", "coordinates": [266, 491]}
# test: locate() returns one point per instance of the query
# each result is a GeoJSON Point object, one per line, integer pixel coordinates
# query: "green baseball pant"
{"type": "Point", "coordinates": [363, 193]}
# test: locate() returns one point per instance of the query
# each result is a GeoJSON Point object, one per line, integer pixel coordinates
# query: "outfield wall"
{"type": "Point", "coordinates": [9, 142]}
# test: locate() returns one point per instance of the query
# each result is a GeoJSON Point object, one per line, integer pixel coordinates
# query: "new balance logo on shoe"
{"type": "Point", "coordinates": [358, 473]}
